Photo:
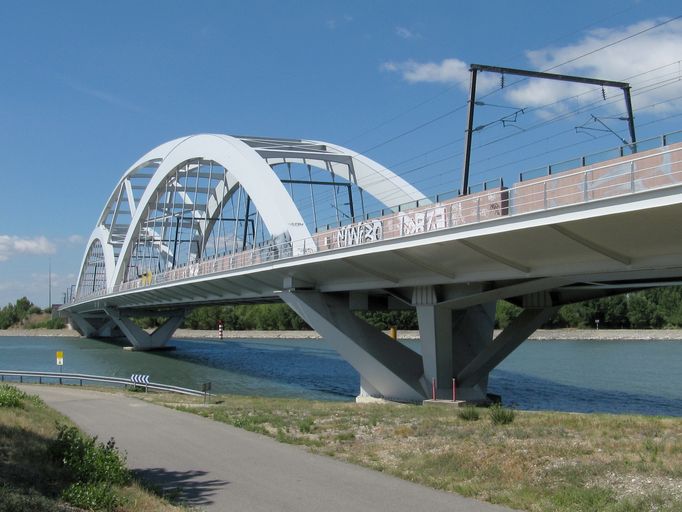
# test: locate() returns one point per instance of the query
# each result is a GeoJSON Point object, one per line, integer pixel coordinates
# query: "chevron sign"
{"type": "Point", "coordinates": [137, 378]}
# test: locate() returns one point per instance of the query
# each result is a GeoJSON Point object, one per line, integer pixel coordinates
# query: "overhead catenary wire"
{"type": "Point", "coordinates": [591, 52]}
{"type": "Point", "coordinates": [562, 116]}
{"type": "Point", "coordinates": [465, 82]}
{"type": "Point", "coordinates": [536, 126]}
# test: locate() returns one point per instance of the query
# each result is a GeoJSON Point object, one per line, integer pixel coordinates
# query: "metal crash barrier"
{"type": "Point", "coordinates": [40, 377]}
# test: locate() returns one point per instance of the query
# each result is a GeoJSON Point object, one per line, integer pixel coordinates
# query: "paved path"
{"type": "Point", "coordinates": [218, 467]}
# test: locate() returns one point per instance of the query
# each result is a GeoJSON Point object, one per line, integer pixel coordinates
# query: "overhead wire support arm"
{"type": "Point", "coordinates": [475, 68]}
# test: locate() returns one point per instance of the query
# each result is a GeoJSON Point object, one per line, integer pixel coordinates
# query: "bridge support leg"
{"type": "Point", "coordinates": [94, 327]}
{"type": "Point", "coordinates": [504, 344]}
{"type": "Point", "coordinates": [459, 344]}
{"type": "Point", "coordinates": [83, 325]}
{"type": "Point", "coordinates": [141, 339]}
{"type": "Point", "coordinates": [388, 369]}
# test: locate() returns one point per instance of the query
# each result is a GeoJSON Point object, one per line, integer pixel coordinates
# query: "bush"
{"type": "Point", "coordinates": [468, 413]}
{"type": "Point", "coordinates": [91, 496]}
{"type": "Point", "coordinates": [88, 461]}
{"type": "Point", "coordinates": [11, 396]}
{"type": "Point", "coordinates": [52, 323]}
{"type": "Point", "coordinates": [500, 415]}
{"type": "Point", "coordinates": [13, 499]}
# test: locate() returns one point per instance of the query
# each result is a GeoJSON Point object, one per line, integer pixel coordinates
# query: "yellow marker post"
{"type": "Point", "coordinates": [394, 332]}
{"type": "Point", "coordinates": [60, 363]}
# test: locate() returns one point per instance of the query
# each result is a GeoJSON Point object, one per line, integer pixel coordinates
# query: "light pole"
{"type": "Point", "coordinates": [49, 285]}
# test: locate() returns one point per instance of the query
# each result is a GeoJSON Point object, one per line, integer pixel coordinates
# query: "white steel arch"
{"type": "Point", "coordinates": [249, 162]}
{"type": "Point", "coordinates": [266, 191]}
{"type": "Point", "coordinates": [101, 235]}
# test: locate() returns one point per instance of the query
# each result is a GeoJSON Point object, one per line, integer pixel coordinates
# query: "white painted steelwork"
{"type": "Point", "coordinates": [248, 163]}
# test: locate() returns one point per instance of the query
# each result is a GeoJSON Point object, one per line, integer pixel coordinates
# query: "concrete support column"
{"type": "Point", "coordinates": [435, 332]}
{"type": "Point", "coordinates": [472, 332]}
{"type": "Point", "coordinates": [450, 339]}
{"type": "Point", "coordinates": [388, 369]}
{"type": "Point", "coordinates": [138, 337]}
{"type": "Point", "coordinates": [85, 326]}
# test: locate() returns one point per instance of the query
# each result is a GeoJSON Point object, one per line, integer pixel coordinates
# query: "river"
{"type": "Point", "coordinates": [643, 377]}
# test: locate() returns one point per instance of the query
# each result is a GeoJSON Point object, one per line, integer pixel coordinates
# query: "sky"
{"type": "Point", "coordinates": [87, 87]}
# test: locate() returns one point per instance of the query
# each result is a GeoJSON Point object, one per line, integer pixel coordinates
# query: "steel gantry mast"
{"type": "Point", "coordinates": [471, 104]}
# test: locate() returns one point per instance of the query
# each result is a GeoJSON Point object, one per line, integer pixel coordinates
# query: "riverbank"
{"type": "Point", "coordinates": [33, 479]}
{"type": "Point", "coordinates": [539, 335]}
{"type": "Point", "coordinates": [540, 461]}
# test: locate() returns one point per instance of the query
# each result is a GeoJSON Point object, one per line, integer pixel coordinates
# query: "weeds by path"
{"type": "Point", "coordinates": [527, 460]}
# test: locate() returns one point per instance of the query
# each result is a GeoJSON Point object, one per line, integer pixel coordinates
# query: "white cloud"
{"type": "Point", "coordinates": [406, 33]}
{"type": "Point", "coordinates": [650, 62]}
{"type": "Point", "coordinates": [448, 71]}
{"type": "Point", "coordinates": [14, 245]}
{"type": "Point", "coordinates": [658, 48]}
{"type": "Point", "coordinates": [76, 239]}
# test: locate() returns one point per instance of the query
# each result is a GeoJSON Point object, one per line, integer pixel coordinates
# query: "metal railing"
{"type": "Point", "coordinates": [31, 376]}
{"type": "Point", "coordinates": [644, 171]}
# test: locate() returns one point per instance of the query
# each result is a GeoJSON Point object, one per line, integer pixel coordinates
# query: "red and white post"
{"type": "Point", "coordinates": [220, 329]}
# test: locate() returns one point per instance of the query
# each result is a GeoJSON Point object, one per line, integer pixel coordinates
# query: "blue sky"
{"type": "Point", "coordinates": [88, 87]}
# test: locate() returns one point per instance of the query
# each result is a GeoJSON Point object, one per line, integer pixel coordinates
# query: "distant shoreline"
{"type": "Point", "coordinates": [539, 335]}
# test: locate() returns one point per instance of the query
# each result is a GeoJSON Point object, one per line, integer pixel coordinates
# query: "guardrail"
{"type": "Point", "coordinates": [81, 377]}
{"type": "Point", "coordinates": [632, 174]}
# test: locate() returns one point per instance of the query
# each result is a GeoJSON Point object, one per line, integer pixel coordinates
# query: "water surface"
{"type": "Point", "coordinates": [583, 376]}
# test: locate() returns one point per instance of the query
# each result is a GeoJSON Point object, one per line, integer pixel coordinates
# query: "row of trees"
{"type": "Point", "coordinates": [656, 308]}
{"type": "Point", "coordinates": [650, 309]}
{"type": "Point", "coordinates": [17, 313]}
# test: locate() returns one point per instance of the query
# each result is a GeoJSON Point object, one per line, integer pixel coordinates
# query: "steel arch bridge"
{"type": "Point", "coordinates": [208, 195]}
{"type": "Point", "coordinates": [224, 219]}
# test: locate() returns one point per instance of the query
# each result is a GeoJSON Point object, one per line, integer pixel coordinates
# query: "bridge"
{"type": "Point", "coordinates": [217, 219]}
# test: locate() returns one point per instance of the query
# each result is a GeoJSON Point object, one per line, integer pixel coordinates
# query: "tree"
{"type": "Point", "coordinates": [505, 312]}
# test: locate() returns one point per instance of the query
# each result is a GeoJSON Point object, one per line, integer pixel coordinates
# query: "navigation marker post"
{"type": "Point", "coordinates": [60, 363]}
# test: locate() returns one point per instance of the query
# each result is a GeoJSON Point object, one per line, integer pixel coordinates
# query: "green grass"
{"type": "Point", "coordinates": [500, 415]}
{"type": "Point", "coordinates": [43, 466]}
{"type": "Point", "coordinates": [468, 413]}
{"type": "Point", "coordinates": [536, 461]}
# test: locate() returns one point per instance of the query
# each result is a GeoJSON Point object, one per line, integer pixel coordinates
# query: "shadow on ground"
{"type": "Point", "coordinates": [185, 487]}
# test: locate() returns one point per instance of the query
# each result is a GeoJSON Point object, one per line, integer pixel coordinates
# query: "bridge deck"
{"type": "Point", "coordinates": [361, 245]}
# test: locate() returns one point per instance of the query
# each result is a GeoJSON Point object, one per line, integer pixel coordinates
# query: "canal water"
{"type": "Point", "coordinates": [643, 377]}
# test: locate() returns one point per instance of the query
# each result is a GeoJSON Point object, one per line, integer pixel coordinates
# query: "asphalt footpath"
{"type": "Point", "coordinates": [217, 467]}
